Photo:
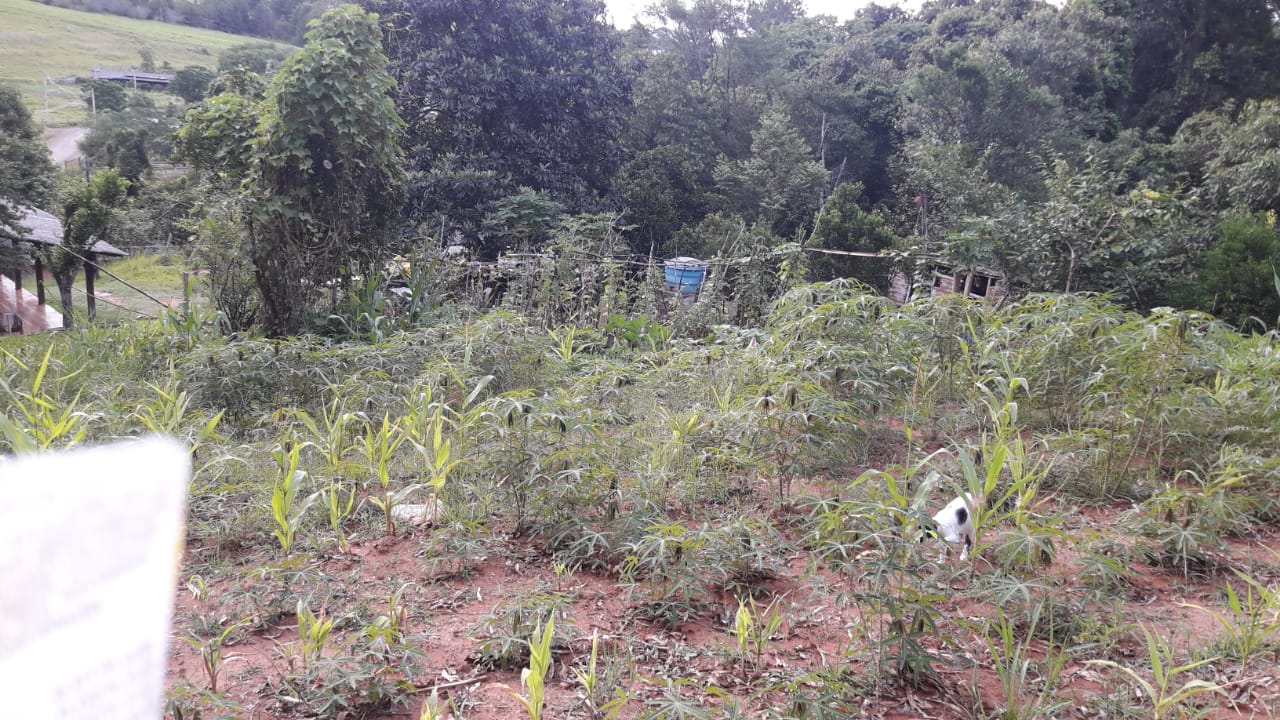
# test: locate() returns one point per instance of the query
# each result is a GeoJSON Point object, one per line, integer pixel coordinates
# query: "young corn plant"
{"type": "Point", "coordinates": [439, 455]}
{"type": "Point", "coordinates": [286, 508]}
{"type": "Point", "coordinates": [433, 708]}
{"type": "Point", "coordinates": [331, 438]}
{"type": "Point", "coordinates": [1166, 700]}
{"type": "Point", "coordinates": [754, 627]}
{"type": "Point", "coordinates": [1014, 666]}
{"type": "Point", "coordinates": [169, 414]}
{"type": "Point", "coordinates": [210, 649]}
{"type": "Point", "coordinates": [1253, 619]}
{"type": "Point", "coordinates": [387, 630]}
{"type": "Point", "coordinates": [532, 678]}
{"type": "Point", "coordinates": [381, 440]}
{"type": "Point", "coordinates": [313, 633]}
{"type": "Point", "coordinates": [590, 678]}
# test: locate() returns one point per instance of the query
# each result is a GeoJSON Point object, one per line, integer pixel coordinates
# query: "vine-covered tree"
{"type": "Point", "coordinates": [320, 156]}
{"type": "Point", "coordinates": [506, 94]}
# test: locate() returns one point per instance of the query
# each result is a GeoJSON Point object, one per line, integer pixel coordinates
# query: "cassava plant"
{"type": "Point", "coordinates": [1166, 699]}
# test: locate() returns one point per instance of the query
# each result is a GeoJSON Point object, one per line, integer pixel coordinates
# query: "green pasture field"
{"type": "Point", "coordinates": [40, 41]}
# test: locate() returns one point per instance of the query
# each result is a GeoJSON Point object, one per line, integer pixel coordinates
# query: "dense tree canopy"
{"type": "Point", "coordinates": [1092, 145]}
{"type": "Point", "coordinates": [26, 173]}
{"type": "Point", "coordinates": [502, 95]}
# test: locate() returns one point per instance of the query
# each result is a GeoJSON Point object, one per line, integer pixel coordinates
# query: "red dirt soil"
{"type": "Point", "coordinates": [445, 622]}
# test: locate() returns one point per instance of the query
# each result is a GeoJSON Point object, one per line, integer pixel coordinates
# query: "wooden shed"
{"type": "Point", "coordinates": [944, 279]}
{"type": "Point", "coordinates": [20, 310]}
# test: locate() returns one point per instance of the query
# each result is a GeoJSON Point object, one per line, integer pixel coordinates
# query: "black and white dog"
{"type": "Point", "coordinates": [954, 523]}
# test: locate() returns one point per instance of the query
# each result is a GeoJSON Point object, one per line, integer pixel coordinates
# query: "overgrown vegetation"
{"type": "Point", "coordinates": [484, 430]}
{"type": "Point", "coordinates": [685, 474]}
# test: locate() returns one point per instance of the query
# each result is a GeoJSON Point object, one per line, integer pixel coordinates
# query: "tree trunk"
{"type": "Point", "coordinates": [65, 280]}
{"type": "Point", "coordinates": [278, 265]}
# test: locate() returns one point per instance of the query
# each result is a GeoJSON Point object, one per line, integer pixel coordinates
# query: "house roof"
{"type": "Point", "coordinates": [46, 229]}
{"type": "Point", "coordinates": [132, 75]}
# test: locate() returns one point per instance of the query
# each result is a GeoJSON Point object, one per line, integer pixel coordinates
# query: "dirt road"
{"type": "Point", "coordinates": [64, 143]}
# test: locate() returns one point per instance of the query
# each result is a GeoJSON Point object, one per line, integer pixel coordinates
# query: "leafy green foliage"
{"type": "Point", "coordinates": [324, 181]}
{"type": "Point", "coordinates": [498, 97]}
{"type": "Point", "coordinates": [1237, 279]}
{"type": "Point", "coordinates": [87, 207]}
{"type": "Point", "coordinates": [1188, 56]}
{"type": "Point", "coordinates": [843, 224]}
{"type": "Point", "coordinates": [104, 96]}
{"type": "Point", "coordinates": [256, 57]}
{"type": "Point", "coordinates": [191, 83]}
{"type": "Point", "coordinates": [26, 175]}
{"type": "Point", "coordinates": [779, 184]}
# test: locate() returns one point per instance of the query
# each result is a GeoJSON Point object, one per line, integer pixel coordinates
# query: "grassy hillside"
{"type": "Point", "coordinates": [38, 40]}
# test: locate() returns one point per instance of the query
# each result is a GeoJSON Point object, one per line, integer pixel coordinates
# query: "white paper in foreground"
{"type": "Point", "coordinates": [90, 542]}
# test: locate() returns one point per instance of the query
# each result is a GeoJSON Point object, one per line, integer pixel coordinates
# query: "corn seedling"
{"type": "Point", "coordinates": [381, 440]}
{"type": "Point", "coordinates": [330, 435]}
{"type": "Point", "coordinates": [1013, 666]}
{"type": "Point", "coordinates": [1253, 619]}
{"type": "Point", "coordinates": [589, 679]}
{"type": "Point", "coordinates": [532, 678]}
{"type": "Point", "coordinates": [754, 627]}
{"type": "Point", "coordinates": [432, 707]}
{"type": "Point", "coordinates": [565, 345]}
{"type": "Point", "coordinates": [1166, 700]}
{"type": "Point", "coordinates": [286, 508]}
{"type": "Point", "coordinates": [313, 632]}
{"type": "Point", "coordinates": [387, 630]}
{"type": "Point", "coordinates": [211, 651]}
{"type": "Point", "coordinates": [168, 415]}
{"type": "Point", "coordinates": [438, 455]}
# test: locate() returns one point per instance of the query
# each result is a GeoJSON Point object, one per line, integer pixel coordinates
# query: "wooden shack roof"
{"type": "Point", "coordinates": [128, 76]}
{"type": "Point", "coordinates": [46, 229]}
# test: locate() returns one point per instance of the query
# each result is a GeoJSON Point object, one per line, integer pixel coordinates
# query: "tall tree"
{"type": "Point", "coordinates": [323, 180]}
{"type": "Point", "coordinates": [1244, 171]}
{"type": "Point", "coordinates": [843, 224]}
{"type": "Point", "coordinates": [26, 173]}
{"type": "Point", "coordinates": [1192, 55]}
{"type": "Point", "coordinates": [87, 206]}
{"type": "Point", "coordinates": [780, 183]}
{"type": "Point", "coordinates": [500, 95]}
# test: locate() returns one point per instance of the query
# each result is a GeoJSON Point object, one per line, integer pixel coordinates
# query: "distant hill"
{"type": "Point", "coordinates": [279, 19]}
{"type": "Point", "coordinates": [38, 41]}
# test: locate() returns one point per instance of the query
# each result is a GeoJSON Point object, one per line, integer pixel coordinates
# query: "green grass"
{"type": "Point", "coordinates": [39, 40]}
{"type": "Point", "coordinates": [159, 276]}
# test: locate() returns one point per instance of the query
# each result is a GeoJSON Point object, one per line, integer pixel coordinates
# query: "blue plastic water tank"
{"type": "Point", "coordinates": [685, 274]}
